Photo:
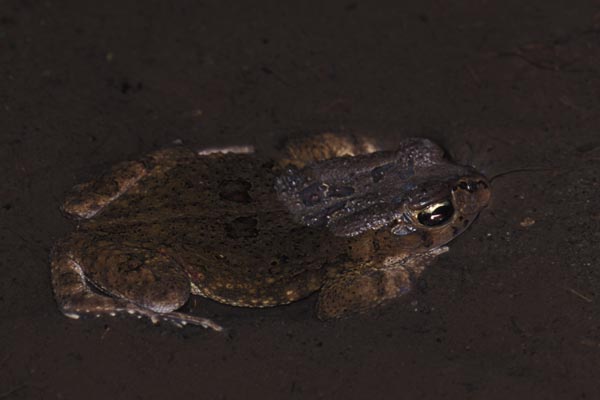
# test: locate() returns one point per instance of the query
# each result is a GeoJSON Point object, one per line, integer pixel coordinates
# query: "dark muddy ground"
{"type": "Point", "coordinates": [511, 312]}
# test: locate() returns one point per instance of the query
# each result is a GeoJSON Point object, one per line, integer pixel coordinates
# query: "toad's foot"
{"type": "Point", "coordinates": [75, 297]}
{"type": "Point", "coordinates": [244, 149]}
{"type": "Point", "coordinates": [98, 305]}
{"type": "Point", "coordinates": [176, 318]}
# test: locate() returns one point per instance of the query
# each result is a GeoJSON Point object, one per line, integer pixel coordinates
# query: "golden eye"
{"type": "Point", "coordinates": [436, 214]}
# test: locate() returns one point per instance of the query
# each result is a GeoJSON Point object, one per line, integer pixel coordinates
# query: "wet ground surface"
{"type": "Point", "coordinates": [510, 312]}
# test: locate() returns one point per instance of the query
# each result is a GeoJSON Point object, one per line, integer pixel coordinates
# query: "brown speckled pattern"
{"type": "Point", "coordinates": [177, 223]}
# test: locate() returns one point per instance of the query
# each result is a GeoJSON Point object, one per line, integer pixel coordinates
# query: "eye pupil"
{"type": "Point", "coordinates": [436, 214]}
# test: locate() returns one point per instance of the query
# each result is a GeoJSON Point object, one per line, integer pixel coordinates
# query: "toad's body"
{"type": "Point", "coordinates": [241, 231]}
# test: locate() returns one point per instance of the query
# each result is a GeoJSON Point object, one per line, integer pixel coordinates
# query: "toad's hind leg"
{"type": "Point", "coordinates": [153, 289]}
{"type": "Point", "coordinates": [303, 151]}
{"type": "Point", "coordinates": [362, 289]}
{"type": "Point", "coordinates": [87, 199]}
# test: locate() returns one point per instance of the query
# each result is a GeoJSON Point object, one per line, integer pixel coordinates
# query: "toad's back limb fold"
{"type": "Point", "coordinates": [361, 289]}
{"type": "Point", "coordinates": [88, 199]}
{"type": "Point", "coordinates": [307, 150]}
{"type": "Point", "coordinates": [75, 297]}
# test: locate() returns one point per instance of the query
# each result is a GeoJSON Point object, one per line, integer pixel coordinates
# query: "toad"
{"type": "Point", "coordinates": [334, 214]}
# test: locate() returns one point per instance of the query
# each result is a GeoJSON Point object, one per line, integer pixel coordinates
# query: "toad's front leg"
{"type": "Point", "coordinates": [131, 281]}
{"type": "Point", "coordinates": [361, 289]}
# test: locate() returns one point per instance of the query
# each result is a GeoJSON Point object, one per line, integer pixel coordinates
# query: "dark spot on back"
{"type": "Point", "coordinates": [235, 190]}
{"type": "Point", "coordinates": [242, 227]}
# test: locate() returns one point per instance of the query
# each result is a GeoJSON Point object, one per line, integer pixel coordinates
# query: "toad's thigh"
{"type": "Point", "coordinates": [144, 277]}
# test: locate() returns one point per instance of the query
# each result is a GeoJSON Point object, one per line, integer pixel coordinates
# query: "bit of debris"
{"type": "Point", "coordinates": [581, 296]}
{"type": "Point", "coordinates": [527, 222]}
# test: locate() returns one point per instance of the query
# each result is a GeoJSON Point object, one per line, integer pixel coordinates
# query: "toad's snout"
{"type": "Point", "coordinates": [472, 194]}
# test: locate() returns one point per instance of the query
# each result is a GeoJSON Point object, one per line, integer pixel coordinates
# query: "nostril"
{"type": "Point", "coordinates": [468, 186]}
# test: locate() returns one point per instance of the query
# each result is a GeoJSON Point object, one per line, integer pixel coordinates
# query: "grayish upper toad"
{"type": "Point", "coordinates": [334, 215]}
